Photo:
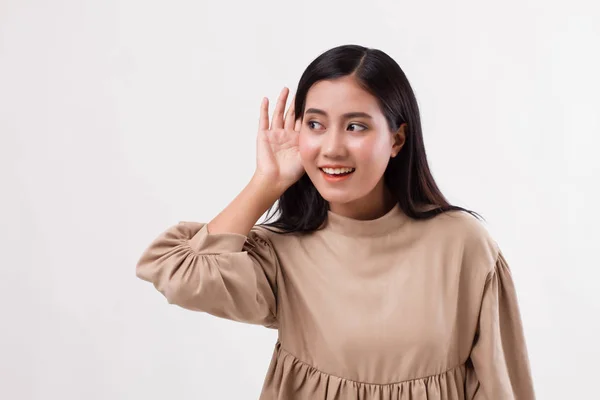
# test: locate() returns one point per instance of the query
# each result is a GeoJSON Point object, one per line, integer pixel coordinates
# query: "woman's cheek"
{"type": "Point", "coordinates": [362, 151]}
{"type": "Point", "coordinates": [307, 150]}
{"type": "Point", "coordinates": [367, 154]}
{"type": "Point", "coordinates": [374, 151]}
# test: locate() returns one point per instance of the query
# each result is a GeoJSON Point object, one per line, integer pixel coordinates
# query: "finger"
{"type": "Point", "coordinates": [298, 125]}
{"type": "Point", "coordinates": [263, 122]}
{"type": "Point", "coordinates": [290, 115]}
{"type": "Point", "coordinates": [277, 122]}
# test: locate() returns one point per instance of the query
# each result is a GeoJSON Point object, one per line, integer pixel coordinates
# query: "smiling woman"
{"type": "Point", "coordinates": [359, 139]}
{"type": "Point", "coordinates": [378, 287]}
{"type": "Point", "coordinates": [357, 109]}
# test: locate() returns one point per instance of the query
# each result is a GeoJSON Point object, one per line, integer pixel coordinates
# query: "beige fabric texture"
{"type": "Point", "coordinates": [390, 308]}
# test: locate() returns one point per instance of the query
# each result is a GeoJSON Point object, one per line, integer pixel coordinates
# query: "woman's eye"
{"type": "Point", "coordinates": [355, 127]}
{"type": "Point", "coordinates": [361, 127]}
{"type": "Point", "coordinates": [312, 122]}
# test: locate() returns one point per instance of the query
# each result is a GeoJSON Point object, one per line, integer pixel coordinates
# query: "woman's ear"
{"type": "Point", "coordinates": [398, 140]}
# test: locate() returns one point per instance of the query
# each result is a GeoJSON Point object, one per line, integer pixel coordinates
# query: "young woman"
{"type": "Point", "coordinates": [379, 288]}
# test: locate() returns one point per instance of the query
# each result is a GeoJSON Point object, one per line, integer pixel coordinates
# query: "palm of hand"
{"type": "Point", "coordinates": [278, 156]}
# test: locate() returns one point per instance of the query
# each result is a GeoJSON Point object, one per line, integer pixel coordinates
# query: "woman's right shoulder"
{"type": "Point", "coordinates": [277, 237]}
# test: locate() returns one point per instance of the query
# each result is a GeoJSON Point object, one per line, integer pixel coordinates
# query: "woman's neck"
{"type": "Point", "coordinates": [378, 203]}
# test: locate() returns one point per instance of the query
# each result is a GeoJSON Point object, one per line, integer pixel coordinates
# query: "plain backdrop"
{"type": "Point", "coordinates": [120, 118]}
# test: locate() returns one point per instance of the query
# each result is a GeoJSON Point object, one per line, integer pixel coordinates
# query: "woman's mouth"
{"type": "Point", "coordinates": [336, 174]}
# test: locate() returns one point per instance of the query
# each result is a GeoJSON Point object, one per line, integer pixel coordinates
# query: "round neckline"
{"type": "Point", "coordinates": [387, 223]}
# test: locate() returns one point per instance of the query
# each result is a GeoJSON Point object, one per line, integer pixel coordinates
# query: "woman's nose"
{"type": "Point", "coordinates": [333, 144]}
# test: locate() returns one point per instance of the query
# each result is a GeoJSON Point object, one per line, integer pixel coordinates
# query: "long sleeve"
{"type": "Point", "coordinates": [228, 275]}
{"type": "Point", "coordinates": [499, 354]}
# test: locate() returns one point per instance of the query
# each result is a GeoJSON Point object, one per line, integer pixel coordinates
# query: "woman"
{"type": "Point", "coordinates": [379, 288]}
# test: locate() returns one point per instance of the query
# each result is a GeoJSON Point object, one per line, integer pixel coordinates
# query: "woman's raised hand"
{"type": "Point", "coordinates": [277, 156]}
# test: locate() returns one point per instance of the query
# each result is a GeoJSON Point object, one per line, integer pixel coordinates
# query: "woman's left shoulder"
{"type": "Point", "coordinates": [471, 235]}
{"type": "Point", "coordinates": [465, 224]}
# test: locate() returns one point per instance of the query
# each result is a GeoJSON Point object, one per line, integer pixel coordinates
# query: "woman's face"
{"type": "Point", "coordinates": [343, 126]}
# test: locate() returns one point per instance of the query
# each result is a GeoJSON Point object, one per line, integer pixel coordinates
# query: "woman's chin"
{"type": "Point", "coordinates": [336, 198]}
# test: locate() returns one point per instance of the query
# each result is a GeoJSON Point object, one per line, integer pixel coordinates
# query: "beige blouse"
{"type": "Point", "coordinates": [390, 308]}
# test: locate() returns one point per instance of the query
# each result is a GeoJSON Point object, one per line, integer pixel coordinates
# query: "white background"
{"type": "Point", "coordinates": [121, 118]}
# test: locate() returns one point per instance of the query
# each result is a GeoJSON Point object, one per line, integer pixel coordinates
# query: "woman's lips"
{"type": "Point", "coordinates": [335, 178]}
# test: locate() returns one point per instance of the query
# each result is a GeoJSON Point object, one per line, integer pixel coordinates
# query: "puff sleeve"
{"type": "Point", "coordinates": [499, 354]}
{"type": "Point", "coordinates": [228, 275]}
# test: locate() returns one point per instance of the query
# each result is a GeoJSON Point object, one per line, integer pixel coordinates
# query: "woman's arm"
{"type": "Point", "coordinates": [228, 271]}
{"type": "Point", "coordinates": [248, 206]}
{"type": "Point", "coordinates": [228, 267]}
{"type": "Point", "coordinates": [499, 354]}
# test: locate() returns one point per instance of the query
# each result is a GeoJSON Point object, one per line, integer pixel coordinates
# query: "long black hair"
{"type": "Point", "coordinates": [301, 208]}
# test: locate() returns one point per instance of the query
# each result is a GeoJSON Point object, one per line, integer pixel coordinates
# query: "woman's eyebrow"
{"type": "Point", "coordinates": [356, 114]}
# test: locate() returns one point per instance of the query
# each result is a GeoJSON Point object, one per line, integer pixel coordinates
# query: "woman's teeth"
{"type": "Point", "coordinates": [337, 171]}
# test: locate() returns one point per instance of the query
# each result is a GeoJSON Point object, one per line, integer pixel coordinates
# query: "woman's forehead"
{"type": "Point", "coordinates": [340, 96]}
